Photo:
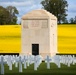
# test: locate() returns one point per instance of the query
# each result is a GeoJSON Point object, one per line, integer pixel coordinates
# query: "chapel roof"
{"type": "Point", "coordinates": [38, 14]}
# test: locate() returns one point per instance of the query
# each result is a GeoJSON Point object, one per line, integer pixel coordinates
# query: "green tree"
{"type": "Point", "coordinates": [13, 14]}
{"type": "Point", "coordinates": [56, 7]}
{"type": "Point", "coordinates": [4, 16]}
{"type": "Point", "coordinates": [65, 21]}
{"type": "Point", "coordinates": [73, 20]}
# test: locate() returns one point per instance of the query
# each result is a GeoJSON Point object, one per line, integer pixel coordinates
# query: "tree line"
{"type": "Point", "coordinates": [8, 15]}
{"type": "Point", "coordinates": [59, 8]}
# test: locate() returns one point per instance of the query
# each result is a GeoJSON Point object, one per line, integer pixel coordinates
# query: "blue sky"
{"type": "Point", "coordinates": [25, 6]}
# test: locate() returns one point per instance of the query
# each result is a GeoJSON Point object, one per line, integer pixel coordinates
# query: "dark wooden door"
{"type": "Point", "coordinates": [35, 49]}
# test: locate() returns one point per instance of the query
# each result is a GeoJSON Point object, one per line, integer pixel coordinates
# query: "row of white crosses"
{"type": "Point", "coordinates": [68, 60]}
{"type": "Point", "coordinates": [36, 60]}
{"type": "Point", "coordinates": [65, 59]}
{"type": "Point", "coordinates": [26, 60]}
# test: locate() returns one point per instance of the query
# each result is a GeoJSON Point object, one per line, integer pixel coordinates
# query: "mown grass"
{"type": "Point", "coordinates": [42, 70]}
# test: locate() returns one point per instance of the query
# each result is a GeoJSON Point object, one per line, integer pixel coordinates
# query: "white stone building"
{"type": "Point", "coordinates": [39, 33]}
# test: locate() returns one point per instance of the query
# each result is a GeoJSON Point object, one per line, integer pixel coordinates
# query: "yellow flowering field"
{"type": "Point", "coordinates": [10, 39]}
{"type": "Point", "coordinates": [67, 39]}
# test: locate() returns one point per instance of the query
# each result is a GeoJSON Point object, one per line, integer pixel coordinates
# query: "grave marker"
{"type": "Point", "coordinates": [2, 64]}
{"type": "Point", "coordinates": [48, 59]}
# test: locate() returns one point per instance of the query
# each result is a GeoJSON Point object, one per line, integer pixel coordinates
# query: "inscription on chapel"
{"type": "Point", "coordinates": [35, 24]}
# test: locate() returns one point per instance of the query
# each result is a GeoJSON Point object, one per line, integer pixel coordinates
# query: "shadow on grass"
{"type": "Point", "coordinates": [39, 74]}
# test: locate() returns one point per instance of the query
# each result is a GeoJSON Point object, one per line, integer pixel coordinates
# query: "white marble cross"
{"type": "Point", "coordinates": [20, 64]}
{"type": "Point", "coordinates": [24, 62]}
{"type": "Point", "coordinates": [57, 60]}
{"type": "Point", "coordinates": [10, 62]}
{"type": "Point", "coordinates": [35, 63]}
{"type": "Point", "coordinates": [73, 60]}
{"type": "Point", "coordinates": [39, 60]}
{"type": "Point", "coordinates": [48, 59]}
{"type": "Point", "coordinates": [28, 60]}
{"type": "Point", "coordinates": [16, 61]}
{"type": "Point", "coordinates": [2, 64]}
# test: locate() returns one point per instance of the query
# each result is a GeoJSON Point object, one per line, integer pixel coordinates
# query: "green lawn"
{"type": "Point", "coordinates": [42, 70]}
